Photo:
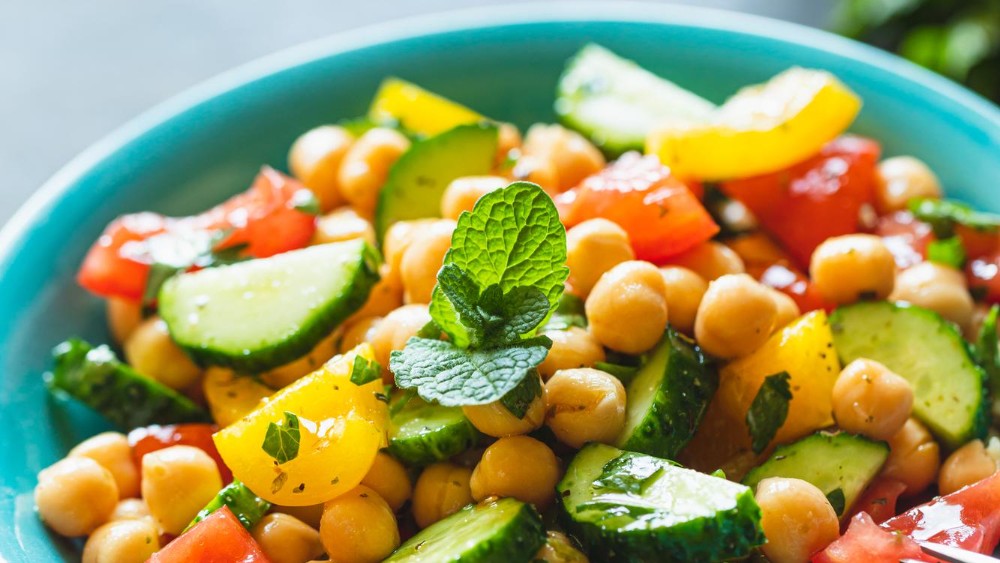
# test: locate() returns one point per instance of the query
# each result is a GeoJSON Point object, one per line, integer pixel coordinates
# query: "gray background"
{"type": "Point", "coordinates": [73, 70]}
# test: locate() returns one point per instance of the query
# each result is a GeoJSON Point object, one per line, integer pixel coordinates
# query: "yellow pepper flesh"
{"type": "Point", "coordinates": [418, 110]}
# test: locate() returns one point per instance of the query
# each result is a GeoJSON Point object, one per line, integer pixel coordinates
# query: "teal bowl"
{"type": "Point", "coordinates": [208, 143]}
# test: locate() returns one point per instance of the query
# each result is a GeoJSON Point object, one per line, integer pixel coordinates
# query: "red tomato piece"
{"type": "Point", "coordinates": [661, 215]}
{"type": "Point", "coordinates": [791, 282]}
{"type": "Point", "coordinates": [879, 499]}
{"type": "Point", "coordinates": [152, 438]}
{"type": "Point", "coordinates": [219, 538]}
{"type": "Point", "coordinates": [265, 220]}
{"type": "Point", "coordinates": [866, 541]}
{"type": "Point", "coordinates": [978, 243]}
{"type": "Point", "coordinates": [906, 237]}
{"type": "Point", "coordinates": [984, 277]}
{"type": "Point", "coordinates": [968, 518]}
{"type": "Point", "coordinates": [814, 200]}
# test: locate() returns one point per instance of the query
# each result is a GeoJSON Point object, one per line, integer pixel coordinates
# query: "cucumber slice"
{"type": "Point", "coordinates": [949, 388]}
{"type": "Point", "coordinates": [616, 102]}
{"type": "Point", "coordinates": [668, 398]}
{"type": "Point", "coordinates": [418, 179]}
{"type": "Point", "coordinates": [626, 506]}
{"type": "Point", "coordinates": [257, 315]}
{"type": "Point", "coordinates": [245, 505]}
{"type": "Point", "coordinates": [831, 461]}
{"type": "Point", "coordinates": [501, 531]}
{"type": "Point", "coordinates": [422, 433]}
{"type": "Point", "coordinates": [95, 377]}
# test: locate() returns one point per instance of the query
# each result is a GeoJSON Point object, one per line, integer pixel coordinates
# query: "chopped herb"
{"type": "Point", "coordinates": [768, 410]}
{"type": "Point", "coordinates": [365, 371]}
{"type": "Point", "coordinates": [279, 482]}
{"type": "Point", "coordinates": [949, 252]}
{"type": "Point", "coordinates": [944, 215]}
{"type": "Point", "coordinates": [630, 473]}
{"type": "Point", "coordinates": [430, 330]}
{"type": "Point", "coordinates": [281, 441]}
{"type": "Point", "coordinates": [837, 500]}
{"type": "Point", "coordinates": [520, 398]}
{"type": "Point", "coordinates": [306, 202]}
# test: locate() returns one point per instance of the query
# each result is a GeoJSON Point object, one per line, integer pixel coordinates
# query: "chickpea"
{"type": "Point", "coordinates": [967, 465]}
{"type": "Point", "coordinates": [75, 495]}
{"type": "Point", "coordinates": [395, 329]}
{"type": "Point", "coordinates": [315, 159]}
{"type": "Point", "coordinates": [508, 139]}
{"type": "Point", "coordinates": [124, 316]}
{"type": "Point", "coordinates": [493, 419]}
{"type": "Point", "coordinates": [938, 288]}
{"type": "Point", "coordinates": [442, 490]}
{"type": "Point", "coordinates": [585, 405]}
{"type": "Point", "coordinates": [422, 260]}
{"type": "Point", "coordinates": [310, 515]}
{"type": "Point", "coordinates": [343, 224]}
{"type": "Point", "coordinates": [900, 179]}
{"type": "Point", "coordinates": [152, 352]}
{"type": "Point", "coordinates": [869, 399]}
{"type": "Point", "coordinates": [385, 296]}
{"type": "Point", "coordinates": [797, 519]}
{"type": "Point", "coordinates": [177, 482]}
{"type": "Point", "coordinates": [711, 260]}
{"type": "Point", "coordinates": [914, 458]}
{"type": "Point", "coordinates": [358, 527]}
{"type": "Point", "coordinates": [537, 170]}
{"type": "Point", "coordinates": [685, 290]}
{"type": "Point", "coordinates": [592, 248]}
{"type": "Point", "coordinates": [389, 479]}
{"type": "Point", "coordinates": [285, 375]}
{"type": "Point", "coordinates": [286, 539]}
{"type": "Point", "coordinates": [788, 309]}
{"type": "Point", "coordinates": [520, 467]}
{"type": "Point", "coordinates": [112, 451]}
{"type": "Point", "coordinates": [357, 333]}
{"type": "Point", "coordinates": [559, 548]}
{"type": "Point", "coordinates": [463, 193]}
{"type": "Point", "coordinates": [366, 164]}
{"type": "Point", "coordinates": [627, 308]}
{"type": "Point", "coordinates": [736, 316]}
{"type": "Point", "coordinates": [571, 348]}
{"type": "Point", "coordinates": [122, 541]}
{"type": "Point", "coordinates": [396, 240]}
{"type": "Point", "coordinates": [130, 509]}
{"type": "Point", "coordinates": [572, 156]}
{"type": "Point", "coordinates": [852, 267]}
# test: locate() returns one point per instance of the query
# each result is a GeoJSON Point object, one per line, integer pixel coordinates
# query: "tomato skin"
{"type": "Point", "coordinates": [152, 438]}
{"type": "Point", "coordinates": [866, 541]}
{"type": "Point", "coordinates": [262, 222]}
{"type": "Point", "coordinates": [813, 200]}
{"type": "Point", "coordinates": [661, 215]}
{"type": "Point", "coordinates": [984, 276]}
{"type": "Point", "coordinates": [906, 237]}
{"type": "Point", "coordinates": [219, 538]}
{"type": "Point", "coordinates": [879, 499]}
{"type": "Point", "coordinates": [791, 282]}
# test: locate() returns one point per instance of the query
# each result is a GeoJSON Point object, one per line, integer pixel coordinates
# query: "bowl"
{"type": "Point", "coordinates": [208, 143]}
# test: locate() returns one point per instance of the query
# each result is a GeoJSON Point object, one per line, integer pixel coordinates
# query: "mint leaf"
{"type": "Point", "coordinates": [513, 314]}
{"type": "Point", "coordinates": [463, 293]}
{"type": "Point", "coordinates": [568, 314]}
{"type": "Point", "coordinates": [512, 237]}
{"type": "Point", "coordinates": [837, 500]}
{"type": "Point", "coordinates": [443, 372]}
{"type": "Point", "coordinates": [949, 252]}
{"type": "Point", "coordinates": [305, 200]}
{"type": "Point", "coordinates": [281, 441]}
{"type": "Point", "coordinates": [365, 371]}
{"type": "Point", "coordinates": [630, 473]}
{"type": "Point", "coordinates": [768, 410]}
{"type": "Point", "coordinates": [943, 215]}
{"type": "Point", "coordinates": [519, 399]}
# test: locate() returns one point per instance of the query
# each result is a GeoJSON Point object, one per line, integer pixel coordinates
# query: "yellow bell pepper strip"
{"type": "Point", "coordinates": [313, 440]}
{"type": "Point", "coordinates": [803, 349]}
{"type": "Point", "coordinates": [418, 110]}
{"type": "Point", "coordinates": [230, 397]}
{"type": "Point", "coordinates": [761, 129]}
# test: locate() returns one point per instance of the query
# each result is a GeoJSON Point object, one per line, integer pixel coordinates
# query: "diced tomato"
{"type": "Point", "coordinates": [219, 538]}
{"type": "Point", "coordinates": [152, 438]}
{"type": "Point", "coordinates": [866, 541]}
{"type": "Point", "coordinates": [984, 277]}
{"type": "Point", "coordinates": [879, 499]}
{"type": "Point", "coordinates": [978, 243]}
{"type": "Point", "coordinates": [660, 214]}
{"type": "Point", "coordinates": [265, 220]}
{"type": "Point", "coordinates": [906, 237]}
{"type": "Point", "coordinates": [968, 518]}
{"type": "Point", "coordinates": [791, 282]}
{"type": "Point", "coordinates": [814, 200]}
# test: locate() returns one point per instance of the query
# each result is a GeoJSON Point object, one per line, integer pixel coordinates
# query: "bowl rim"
{"type": "Point", "coordinates": [30, 212]}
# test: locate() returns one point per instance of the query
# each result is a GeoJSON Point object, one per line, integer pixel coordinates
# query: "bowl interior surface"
{"type": "Point", "coordinates": [207, 144]}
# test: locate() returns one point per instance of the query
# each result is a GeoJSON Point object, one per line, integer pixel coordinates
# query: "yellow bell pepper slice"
{"type": "Point", "coordinates": [341, 425]}
{"type": "Point", "coordinates": [418, 110]}
{"type": "Point", "coordinates": [230, 397]}
{"type": "Point", "coordinates": [804, 349]}
{"type": "Point", "coordinates": [761, 129]}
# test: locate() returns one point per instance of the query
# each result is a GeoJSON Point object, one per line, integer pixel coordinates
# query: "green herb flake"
{"type": "Point", "coordinates": [281, 441]}
{"type": "Point", "coordinates": [630, 473]}
{"type": "Point", "coordinates": [519, 399]}
{"type": "Point", "coordinates": [837, 500]}
{"type": "Point", "coordinates": [768, 410]}
{"type": "Point", "coordinates": [365, 371]}
{"type": "Point", "coordinates": [943, 215]}
{"type": "Point", "coordinates": [305, 201]}
{"type": "Point", "coordinates": [948, 252]}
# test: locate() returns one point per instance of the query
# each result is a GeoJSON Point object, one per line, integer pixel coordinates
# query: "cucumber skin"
{"type": "Point", "coordinates": [305, 340]}
{"type": "Point", "coordinates": [128, 399]}
{"type": "Point", "coordinates": [245, 505]}
{"type": "Point", "coordinates": [980, 420]}
{"type": "Point", "coordinates": [428, 448]}
{"type": "Point", "coordinates": [526, 530]}
{"type": "Point", "coordinates": [687, 387]}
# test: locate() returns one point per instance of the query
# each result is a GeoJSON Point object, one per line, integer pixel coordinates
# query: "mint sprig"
{"type": "Point", "coordinates": [501, 279]}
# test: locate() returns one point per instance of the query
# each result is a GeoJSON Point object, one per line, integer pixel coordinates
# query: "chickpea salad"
{"type": "Point", "coordinates": [660, 330]}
